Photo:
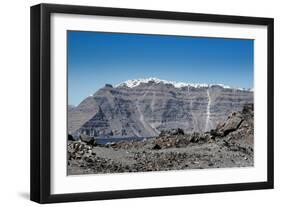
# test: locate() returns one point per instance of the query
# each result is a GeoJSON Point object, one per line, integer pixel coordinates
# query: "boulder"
{"type": "Point", "coordinates": [248, 108]}
{"type": "Point", "coordinates": [195, 136]}
{"type": "Point", "coordinates": [70, 137]}
{"type": "Point", "coordinates": [163, 133]}
{"type": "Point", "coordinates": [156, 147]}
{"type": "Point", "coordinates": [87, 139]}
{"type": "Point", "coordinates": [231, 124]}
{"type": "Point", "coordinates": [216, 132]}
{"type": "Point", "coordinates": [177, 131]}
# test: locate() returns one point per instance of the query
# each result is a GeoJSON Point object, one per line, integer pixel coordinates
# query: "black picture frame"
{"type": "Point", "coordinates": [41, 95]}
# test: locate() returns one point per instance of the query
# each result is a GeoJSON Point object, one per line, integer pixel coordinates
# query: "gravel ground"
{"type": "Point", "coordinates": [230, 145]}
{"type": "Point", "coordinates": [193, 156]}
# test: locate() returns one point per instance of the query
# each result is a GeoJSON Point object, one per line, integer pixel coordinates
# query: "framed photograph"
{"type": "Point", "coordinates": [132, 103]}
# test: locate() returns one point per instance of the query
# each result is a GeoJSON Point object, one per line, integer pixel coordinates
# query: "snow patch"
{"type": "Point", "coordinates": [137, 82]}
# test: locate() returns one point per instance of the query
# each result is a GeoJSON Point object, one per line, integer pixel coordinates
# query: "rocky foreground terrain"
{"type": "Point", "coordinates": [230, 144]}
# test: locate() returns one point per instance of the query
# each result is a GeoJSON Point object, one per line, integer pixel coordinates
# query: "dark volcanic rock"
{"type": "Point", "coordinates": [87, 139]}
{"type": "Point", "coordinates": [177, 131]}
{"type": "Point", "coordinates": [70, 137]}
{"type": "Point", "coordinates": [156, 147]}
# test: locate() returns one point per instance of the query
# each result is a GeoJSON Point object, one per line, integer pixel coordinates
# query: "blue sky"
{"type": "Point", "coordinates": [96, 58]}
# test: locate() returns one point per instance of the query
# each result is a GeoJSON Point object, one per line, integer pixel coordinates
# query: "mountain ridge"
{"type": "Point", "coordinates": [145, 107]}
{"type": "Point", "coordinates": [177, 84]}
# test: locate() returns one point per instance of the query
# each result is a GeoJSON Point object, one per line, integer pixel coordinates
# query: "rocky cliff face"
{"type": "Point", "coordinates": [146, 107]}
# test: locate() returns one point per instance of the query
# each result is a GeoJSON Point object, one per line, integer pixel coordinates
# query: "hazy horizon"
{"type": "Point", "coordinates": [97, 58]}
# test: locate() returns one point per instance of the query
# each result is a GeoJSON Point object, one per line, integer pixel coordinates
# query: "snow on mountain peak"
{"type": "Point", "coordinates": [137, 82]}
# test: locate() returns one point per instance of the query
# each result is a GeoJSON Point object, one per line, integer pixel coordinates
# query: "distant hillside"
{"type": "Point", "coordinates": [145, 107]}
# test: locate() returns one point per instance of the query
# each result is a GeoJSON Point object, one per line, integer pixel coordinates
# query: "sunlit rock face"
{"type": "Point", "coordinates": [145, 107]}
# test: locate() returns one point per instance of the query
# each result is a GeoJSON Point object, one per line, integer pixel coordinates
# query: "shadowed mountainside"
{"type": "Point", "coordinates": [145, 107]}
